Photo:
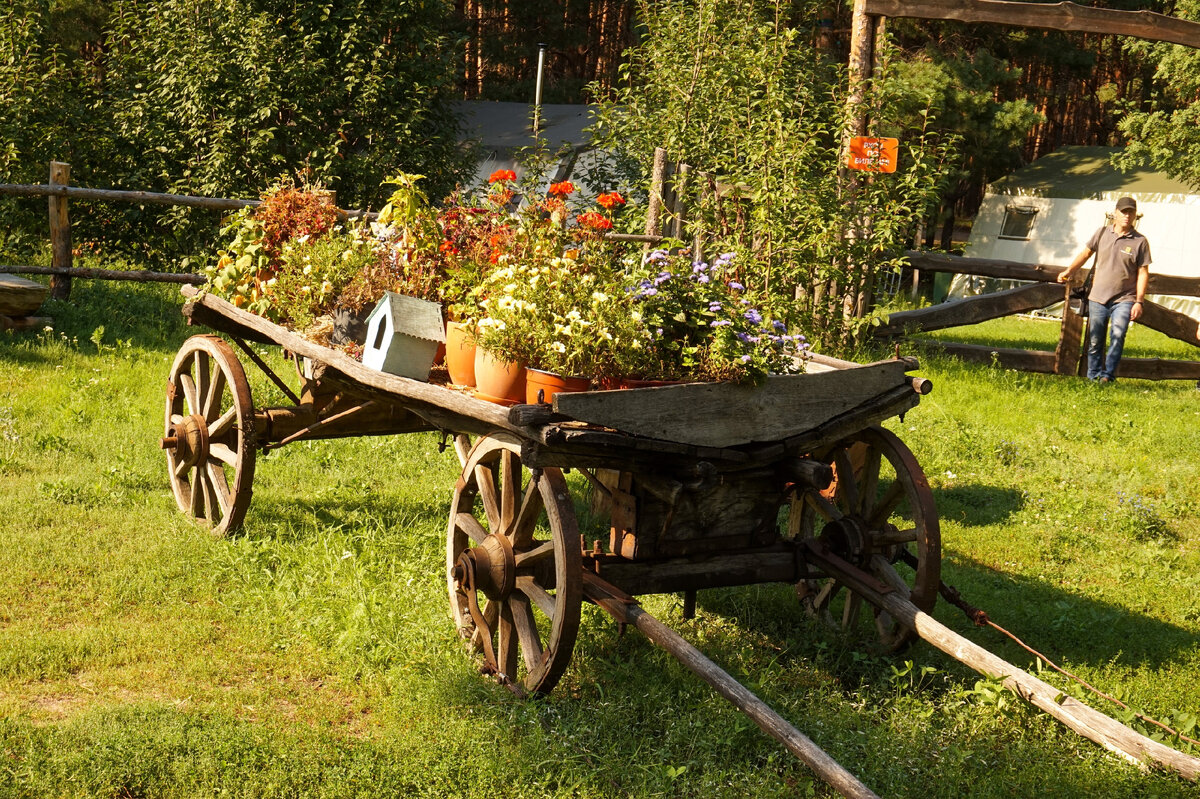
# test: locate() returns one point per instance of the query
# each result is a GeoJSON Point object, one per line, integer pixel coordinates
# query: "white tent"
{"type": "Point", "coordinates": [1045, 213]}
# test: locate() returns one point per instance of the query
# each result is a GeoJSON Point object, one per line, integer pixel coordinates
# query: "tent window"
{"type": "Point", "coordinates": [1018, 221]}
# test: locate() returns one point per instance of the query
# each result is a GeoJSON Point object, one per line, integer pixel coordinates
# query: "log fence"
{"type": "Point", "coordinates": [1042, 290]}
{"type": "Point", "coordinates": [58, 190]}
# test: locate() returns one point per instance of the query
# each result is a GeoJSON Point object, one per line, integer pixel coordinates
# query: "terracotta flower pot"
{"type": "Point", "coordinates": [497, 380]}
{"type": "Point", "coordinates": [541, 386]}
{"type": "Point", "coordinates": [460, 354]}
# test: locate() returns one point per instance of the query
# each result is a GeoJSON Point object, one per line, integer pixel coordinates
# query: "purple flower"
{"type": "Point", "coordinates": [720, 323]}
{"type": "Point", "coordinates": [663, 277]}
{"type": "Point", "coordinates": [702, 278]}
{"type": "Point", "coordinates": [699, 266]}
{"type": "Point", "coordinates": [745, 359]}
{"type": "Point", "coordinates": [779, 325]}
{"type": "Point", "coordinates": [736, 286]}
{"type": "Point", "coordinates": [743, 337]}
{"type": "Point", "coordinates": [752, 316]}
{"type": "Point", "coordinates": [726, 257]}
{"type": "Point", "coordinates": [714, 306]}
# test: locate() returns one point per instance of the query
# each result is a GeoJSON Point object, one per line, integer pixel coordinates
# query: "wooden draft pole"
{"type": "Point", "coordinates": [60, 233]}
{"type": "Point", "coordinates": [1083, 719]}
{"type": "Point", "coordinates": [625, 609]}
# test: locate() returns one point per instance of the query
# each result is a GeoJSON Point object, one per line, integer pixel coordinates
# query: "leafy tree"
{"type": "Point", "coordinates": [221, 97]}
{"type": "Point", "coordinates": [737, 87]}
{"type": "Point", "coordinates": [1164, 132]}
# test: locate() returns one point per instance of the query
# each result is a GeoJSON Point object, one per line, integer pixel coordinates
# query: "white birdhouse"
{"type": "Point", "coordinates": [403, 334]}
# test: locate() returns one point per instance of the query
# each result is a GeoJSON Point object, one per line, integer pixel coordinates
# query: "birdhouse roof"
{"type": "Point", "coordinates": [411, 316]}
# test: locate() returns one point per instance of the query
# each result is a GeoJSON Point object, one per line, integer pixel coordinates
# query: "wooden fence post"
{"type": "Point", "coordinates": [60, 232]}
{"type": "Point", "coordinates": [1067, 359]}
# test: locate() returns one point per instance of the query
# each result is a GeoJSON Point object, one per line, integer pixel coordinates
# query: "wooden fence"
{"type": "Point", "coordinates": [61, 268]}
{"type": "Point", "coordinates": [1043, 290]}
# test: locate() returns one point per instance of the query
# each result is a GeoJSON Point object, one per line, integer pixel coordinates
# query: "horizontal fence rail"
{"type": "Point", "coordinates": [1040, 291]}
{"type": "Point", "coordinates": [59, 190]}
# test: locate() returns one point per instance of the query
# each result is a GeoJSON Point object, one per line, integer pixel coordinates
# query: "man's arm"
{"type": "Point", "coordinates": [1143, 281]}
{"type": "Point", "coordinates": [1081, 259]}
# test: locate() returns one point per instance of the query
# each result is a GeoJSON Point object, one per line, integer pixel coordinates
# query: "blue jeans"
{"type": "Point", "coordinates": [1098, 318]}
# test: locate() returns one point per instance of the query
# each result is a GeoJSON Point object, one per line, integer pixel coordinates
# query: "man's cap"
{"type": "Point", "coordinates": [1126, 204]}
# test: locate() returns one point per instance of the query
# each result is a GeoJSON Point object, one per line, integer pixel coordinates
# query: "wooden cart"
{"type": "Point", "coordinates": [706, 485]}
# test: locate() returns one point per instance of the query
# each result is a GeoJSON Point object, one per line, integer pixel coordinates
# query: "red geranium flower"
{"type": "Point", "coordinates": [610, 199]}
{"type": "Point", "coordinates": [561, 189]}
{"type": "Point", "coordinates": [594, 221]}
{"type": "Point", "coordinates": [502, 174]}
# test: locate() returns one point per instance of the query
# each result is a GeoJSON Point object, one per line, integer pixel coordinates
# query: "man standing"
{"type": "Point", "coordinates": [1118, 287]}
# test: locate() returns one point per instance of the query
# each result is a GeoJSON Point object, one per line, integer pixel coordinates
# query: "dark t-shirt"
{"type": "Point", "coordinates": [1117, 263]}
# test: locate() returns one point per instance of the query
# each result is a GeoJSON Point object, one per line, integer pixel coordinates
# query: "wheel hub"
{"type": "Point", "coordinates": [188, 440]}
{"type": "Point", "coordinates": [848, 538]}
{"type": "Point", "coordinates": [491, 566]}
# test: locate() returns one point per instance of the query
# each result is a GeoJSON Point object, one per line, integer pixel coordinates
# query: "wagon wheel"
{"type": "Point", "coordinates": [209, 437]}
{"type": "Point", "coordinates": [878, 514]}
{"type": "Point", "coordinates": [513, 566]}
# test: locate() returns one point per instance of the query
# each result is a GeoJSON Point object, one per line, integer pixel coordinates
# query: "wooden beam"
{"type": "Point", "coordinates": [60, 233]}
{"type": "Point", "coordinates": [1083, 719]}
{"type": "Point", "coordinates": [1044, 362]}
{"type": "Point", "coordinates": [1051, 16]}
{"type": "Point", "coordinates": [729, 414]}
{"type": "Point", "coordinates": [1045, 273]}
{"type": "Point", "coordinates": [972, 310]}
{"type": "Point", "coordinates": [625, 610]}
{"type": "Point", "coordinates": [1172, 323]}
{"type": "Point", "coordinates": [107, 274]}
{"type": "Point", "coordinates": [1070, 339]}
{"type": "Point", "coordinates": [1004, 357]}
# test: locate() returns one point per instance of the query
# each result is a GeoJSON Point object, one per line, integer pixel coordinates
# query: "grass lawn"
{"type": "Point", "coordinates": [314, 656]}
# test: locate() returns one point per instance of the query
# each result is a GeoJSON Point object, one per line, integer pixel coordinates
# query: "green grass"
{"type": "Point", "coordinates": [314, 656]}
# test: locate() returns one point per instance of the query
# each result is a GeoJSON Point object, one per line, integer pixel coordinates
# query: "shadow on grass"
{"type": "Point", "coordinates": [977, 504]}
{"type": "Point", "coordinates": [147, 315]}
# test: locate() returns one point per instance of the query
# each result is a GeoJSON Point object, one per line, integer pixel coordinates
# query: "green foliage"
{"type": "Point", "coordinates": [737, 88]}
{"type": "Point", "coordinates": [217, 99]}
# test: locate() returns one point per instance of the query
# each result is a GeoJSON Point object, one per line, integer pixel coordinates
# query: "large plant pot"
{"type": "Point", "coordinates": [460, 354]}
{"type": "Point", "coordinates": [498, 381]}
{"type": "Point", "coordinates": [541, 386]}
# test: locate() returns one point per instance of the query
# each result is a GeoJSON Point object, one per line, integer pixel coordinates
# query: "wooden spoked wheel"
{"type": "Point", "coordinates": [209, 433]}
{"type": "Point", "coordinates": [879, 515]}
{"type": "Point", "coordinates": [513, 566]}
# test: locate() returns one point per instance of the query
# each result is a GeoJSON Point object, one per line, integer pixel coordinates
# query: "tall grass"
{"type": "Point", "coordinates": [314, 656]}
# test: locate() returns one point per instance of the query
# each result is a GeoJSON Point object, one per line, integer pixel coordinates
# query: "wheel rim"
{"type": "Point", "coordinates": [209, 433]}
{"type": "Point", "coordinates": [879, 514]}
{"type": "Point", "coordinates": [513, 566]}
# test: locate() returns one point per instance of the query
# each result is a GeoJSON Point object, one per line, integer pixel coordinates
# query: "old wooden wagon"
{"type": "Point", "coordinates": [705, 485]}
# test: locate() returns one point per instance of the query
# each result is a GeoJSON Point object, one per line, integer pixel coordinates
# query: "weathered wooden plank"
{"type": "Point", "coordinates": [726, 414]}
{"type": "Point", "coordinates": [1066, 353]}
{"type": "Point", "coordinates": [775, 564]}
{"type": "Point", "coordinates": [1046, 273]}
{"type": "Point", "coordinates": [137, 276]}
{"type": "Point", "coordinates": [1172, 323]}
{"type": "Point", "coordinates": [20, 296]}
{"type": "Point", "coordinates": [1158, 369]}
{"type": "Point", "coordinates": [1083, 719]}
{"type": "Point", "coordinates": [444, 407]}
{"type": "Point", "coordinates": [1039, 361]}
{"type": "Point", "coordinates": [1062, 16]}
{"type": "Point", "coordinates": [1004, 357]}
{"type": "Point", "coordinates": [60, 232]}
{"type": "Point", "coordinates": [625, 610]}
{"type": "Point", "coordinates": [972, 310]}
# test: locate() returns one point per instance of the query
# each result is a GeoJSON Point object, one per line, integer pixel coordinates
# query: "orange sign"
{"type": "Point", "coordinates": [873, 155]}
